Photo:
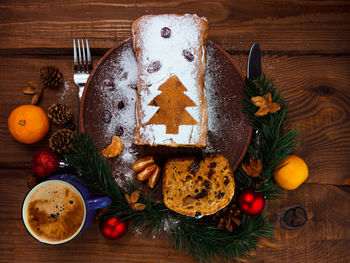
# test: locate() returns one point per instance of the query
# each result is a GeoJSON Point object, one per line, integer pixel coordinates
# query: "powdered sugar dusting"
{"type": "Point", "coordinates": [119, 91]}
{"type": "Point", "coordinates": [116, 81]}
{"type": "Point", "coordinates": [186, 39]}
{"type": "Point", "coordinates": [217, 123]}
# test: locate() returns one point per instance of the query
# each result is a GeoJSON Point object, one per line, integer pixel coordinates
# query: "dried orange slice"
{"type": "Point", "coordinates": [114, 148]}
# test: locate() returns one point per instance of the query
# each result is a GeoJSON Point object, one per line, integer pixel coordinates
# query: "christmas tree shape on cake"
{"type": "Point", "coordinates": [172, 103]}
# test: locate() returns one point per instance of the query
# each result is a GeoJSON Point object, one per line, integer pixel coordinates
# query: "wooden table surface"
{"type": "Point", "coordinates": [306, 48]}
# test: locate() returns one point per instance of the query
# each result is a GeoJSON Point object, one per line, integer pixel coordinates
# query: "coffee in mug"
{"type": "Point", "coordinates": [54, 212]}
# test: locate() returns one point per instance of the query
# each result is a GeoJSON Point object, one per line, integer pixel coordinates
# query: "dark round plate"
{"type": "Point", "coordinates": [108, 108]}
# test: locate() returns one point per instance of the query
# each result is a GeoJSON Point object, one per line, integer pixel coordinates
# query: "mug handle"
{"type": "Point", "coordinates": [97, 203]}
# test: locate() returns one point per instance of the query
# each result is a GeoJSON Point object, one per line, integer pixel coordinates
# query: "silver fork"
{"type": "Point", "coordinates": [82, 68]}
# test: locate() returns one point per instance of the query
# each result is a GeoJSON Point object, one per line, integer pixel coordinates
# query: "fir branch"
{"type": "Point", "coordinates": [200, 237]}
{"type": "Point", "coordinates": [197, 237]}
{"type": "Point", "coordinates": [271, 143]}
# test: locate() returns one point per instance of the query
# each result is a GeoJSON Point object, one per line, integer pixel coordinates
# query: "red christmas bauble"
{"type": "Point", "coordinates": [45, 162]}
{"type": "Point", "coordinates": [251, 202]}
{"type": "Point", "coordinates": [113, 228]}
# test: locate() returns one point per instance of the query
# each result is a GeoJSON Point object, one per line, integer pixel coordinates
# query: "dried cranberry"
{"type": "Point", "coordinates": [119, 131]}
{"type": "Point", "coordinates": [201, 194]}
{"type": "Point", "coordinates": [154, 67]}
{"type": "Point", "coordinates": [165, 32]}
{"type": "Point", "coordinates": [188, 55]}
{"type": "Point", "coordinates": [132, 86]}
{"type": "Point", "coordinates": [193, 169]}
{"type": "Point", "coordinates": [226, 180]}
{"type": "Point", "coordinates": [109, 84]}
{"type": "Point", "coordinates": [221, 194]}
{"type": "Point", "coordinates": [106, 116]}
{"type": "Point", "coordinates": [121, 105]}
{"type": "Point", "coordinates": [210, 173]}
{"type": "Point", "coordinates": [124, 76]}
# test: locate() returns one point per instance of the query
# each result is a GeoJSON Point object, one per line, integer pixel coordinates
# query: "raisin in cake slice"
{"type": "Point", "coordinates": [171, 107]}
{"type": "Point", "coordinates": [197, 188]}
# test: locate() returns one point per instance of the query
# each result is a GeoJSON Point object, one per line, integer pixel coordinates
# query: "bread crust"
{"type": "Point", "coordinates": [197, 188]}
{"type": "Point", "coordinates": [151, 47]}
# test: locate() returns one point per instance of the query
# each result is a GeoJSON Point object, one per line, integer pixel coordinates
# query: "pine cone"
{"type": "Point", "coordinates": [61, 140]}
{"type": "Point", "coordinates": [51, 76]}
{"type": "Point", "coordinates": [59, 113]}
{"type": "Point", "coordinates": [228, 218]}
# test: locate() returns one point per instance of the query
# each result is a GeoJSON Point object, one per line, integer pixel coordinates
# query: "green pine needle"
{"type": "Point", "coordinates": [201, 238]}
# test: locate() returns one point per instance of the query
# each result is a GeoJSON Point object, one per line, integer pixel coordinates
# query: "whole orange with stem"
{"type": "Point", "coordinates": [291, 172]}
{"type": "Point", "coordinates": [28, 123]}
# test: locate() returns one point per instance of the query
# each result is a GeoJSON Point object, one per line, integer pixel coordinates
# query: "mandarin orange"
{"type": "Point", "coordinates": [293, 173]}
{"type": "Point", "coordinates": [28, 123]}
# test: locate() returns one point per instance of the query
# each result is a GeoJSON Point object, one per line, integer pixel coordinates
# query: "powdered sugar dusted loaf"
{"type": "Point", "coordinates": [171, 107]}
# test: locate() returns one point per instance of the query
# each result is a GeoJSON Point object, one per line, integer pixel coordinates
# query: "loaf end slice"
{"type": "Point", "coordinates": [197, 188]}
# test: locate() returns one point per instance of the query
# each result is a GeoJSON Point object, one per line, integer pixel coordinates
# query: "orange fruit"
{"type": "Point", "coordinates": [28, 123]}
{"type": "Point", "coordinates": [293, 173]}
{"type": "Point", "coordinates": [114, 148]}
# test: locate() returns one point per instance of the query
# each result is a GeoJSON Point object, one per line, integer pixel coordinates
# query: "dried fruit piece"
{"type": "Point", "coordinates": [147, 170]}
{"type": "Point", "coordinates": [154, 67]}
{"type": "Point", "coordinates": [106, 116]}
{"type": "Point", "coordinates": [114, 148]}
{"type": "Point", "coordinates": [154, 177]}
{"type": "Point", "coordinates": [128, 199]}
{"type": "Point", "coordinates": [138, 206]}
{"type": "Point", "coordinates": [146, 173]}
{"type": "Point", "coordinates": [132, 201]}
{"type": "Point", "coordinates": [165, 32]}
{"type": "Point", "coordinates": [135, 196]}
{"type": "Point", "coordinates": [188, 55]}
{"type": "Point", "coordinates": [119, 131]}
{"type": "Point", "coordinates": [143, 163]}
{"type": "Point", "coordinates": [121, 105]}
{"type": "Point", "coordinates": [226, 180]}
{"type": "Point", "coordinates": [201, 194]}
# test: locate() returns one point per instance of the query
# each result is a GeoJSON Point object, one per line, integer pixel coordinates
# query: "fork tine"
{"type": "Point", "coordinates": [88, 54]}
{"type": "Point", "coordinates": [84, 58]}
{"type": "Point", "coordinates": [75, 56]}
{"type": "Point", "coordinates": [80, 68]}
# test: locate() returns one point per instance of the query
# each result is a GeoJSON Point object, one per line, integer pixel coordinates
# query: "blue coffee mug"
{"type": "Point", "coordinates": [91, 203]}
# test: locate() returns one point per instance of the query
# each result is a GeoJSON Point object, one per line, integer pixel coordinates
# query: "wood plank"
{"type": "Point", "coordinates": [323, 239]}
{"type": "Point", "coordinates": [318, 96]}
{"type": "Point", "coordinates": [317, 90]}
{"type": "Point", "coordinates": [294, 27]}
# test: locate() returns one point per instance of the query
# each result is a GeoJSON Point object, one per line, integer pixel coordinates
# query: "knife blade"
{"type": "Point", "coordinates": [254, 62]}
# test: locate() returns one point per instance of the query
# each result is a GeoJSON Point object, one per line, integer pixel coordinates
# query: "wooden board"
{"type": "Point", "coordinates": [224, 85]}
{"type": "Point", "coordinates": [296, 26]}
{"type": "Point", "coordinates": [305, 48]}
{"type": "Point", "coordinates": [318, 99]}
{"type": "Point", "coordinates": [323, 239]}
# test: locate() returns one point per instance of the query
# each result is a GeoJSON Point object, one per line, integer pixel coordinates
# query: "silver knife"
{"type": "Point", "coordinates": [254, 62]}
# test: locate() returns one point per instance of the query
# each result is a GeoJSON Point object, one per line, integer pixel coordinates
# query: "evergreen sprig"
{"type": "Point", "coordinates": [200, 237]}
{"type": "Point", "coordinates": [272, 141]}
